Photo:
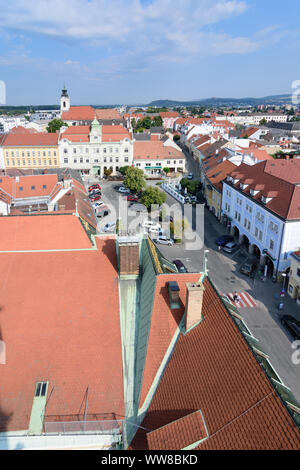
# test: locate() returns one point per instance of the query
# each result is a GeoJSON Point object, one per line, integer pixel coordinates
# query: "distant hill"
{"type": "Point", "coordinates": [215, 102]}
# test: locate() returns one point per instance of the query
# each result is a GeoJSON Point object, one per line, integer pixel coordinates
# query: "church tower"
{"type": "Point", "coordinates": [64, 100]}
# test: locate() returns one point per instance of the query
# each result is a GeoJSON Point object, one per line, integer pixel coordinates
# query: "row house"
{"type": "Point", "coordinates": [93, 149]}
{"type": "Point", "coordinates": [169, 118]}
{"type": "Point", "coordinates": [260, 204]}
{"type": "Point", "coordinates": [247, 119]}
{"type": "Point", "coordinates": [154, 156]}
{"type": "Point", "coordinates": [294, 277]}
{"type": "Point", "coordinates": [198, 143]}
{"type": "Point", "coordinates": [212, 184]}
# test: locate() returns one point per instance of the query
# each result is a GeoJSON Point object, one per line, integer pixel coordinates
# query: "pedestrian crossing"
{"type": "Point", "coordinates": [245, 300]}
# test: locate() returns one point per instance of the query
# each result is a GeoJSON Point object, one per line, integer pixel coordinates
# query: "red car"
{"type": "Point", "coordinates": [132, 198]}
{"type": "Point", "coordinates": [95, 198]}
{"type": "Point", "coordinates": [94, 186]}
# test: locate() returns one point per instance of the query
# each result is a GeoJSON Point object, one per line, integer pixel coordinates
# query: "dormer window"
{"type": "Point", "coordinates": [265, 199]}
{"type": "Point", "coordinates": [243, 186]}
{"type": "Point", "coordinates": [253, 192]}
{"type": "Point", "coordinates": [235, 181]}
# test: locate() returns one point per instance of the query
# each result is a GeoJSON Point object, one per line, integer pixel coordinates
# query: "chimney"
{"type": "Point", "coordinates": [193, 307]}
{"type": "Point", "coordinates": [129, 258]}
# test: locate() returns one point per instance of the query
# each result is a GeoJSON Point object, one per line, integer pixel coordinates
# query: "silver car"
{"type": "Point", "coordinates": [164, 241]}
{"type": "Point", "coordinates": [230, 247]}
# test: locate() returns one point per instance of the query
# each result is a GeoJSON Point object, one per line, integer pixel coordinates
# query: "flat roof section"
{"type": "Point", "coordinates": [42, 232]}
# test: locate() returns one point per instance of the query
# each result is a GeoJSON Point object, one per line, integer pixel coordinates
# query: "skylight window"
{"type": "Point", "coordinates": [40, 389]}
{"type": "Point", "coordinates": [32, 187]}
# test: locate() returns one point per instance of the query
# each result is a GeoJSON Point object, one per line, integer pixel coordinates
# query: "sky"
{"type": "Point", "coordinates": [136, 51]}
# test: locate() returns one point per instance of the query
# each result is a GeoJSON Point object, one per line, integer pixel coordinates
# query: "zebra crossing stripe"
{"type": "Point", "coordinates": [246, 301]}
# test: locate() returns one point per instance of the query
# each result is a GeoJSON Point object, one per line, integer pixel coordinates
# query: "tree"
{"type": "Point", "coordinates": [55, 125]}
{"type": "Point", "coordinates": [176, 138]}
{"type": "Point", "coordinates": [153, 195]}
{"type": "Point", "coordinates": [263, 122]}
{"type": "Point", "coordinates": [157, 121]}
{"type": "Point", "coordinates": [177, 229]}
{"type": "Point", "coordinates": [123, 169]}
{"type": "Point", "coordinates": [134, 179]}
{"type": "Point", "coordinates": [133, 123]}
{"type": "Point", "coordinates": [146, 122]}
{"type": "Point", "coordinates": [108, 172]}
{"type": "Point", "coordinates": [166, 170]}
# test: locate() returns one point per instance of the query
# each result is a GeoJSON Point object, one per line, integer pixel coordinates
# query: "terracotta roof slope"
{"type": "Point", "coordinates": [213, 369]}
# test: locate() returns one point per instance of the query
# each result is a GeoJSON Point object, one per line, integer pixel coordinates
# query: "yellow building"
{"type": "Point", "coordinates": [294, 279]}
{"type": "Point", "coordinates": [30, 150]}
{"type": "Point", "coordinates": [213, 185]}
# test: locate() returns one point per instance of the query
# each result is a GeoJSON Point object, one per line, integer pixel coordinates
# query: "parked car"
{"type": "Point", "coordinates": [187, 199]}
{"type": "Point", "coordinates": [103, 212]}
{"type": "Point", "coordinates": [155, 228]}
{"type": "Point", "coordinates": [132, 198]}
{"type": "Point", "coordinates": [163, 240]}
{"type": "Point", "coordinates": [123, 190]}
{"type": "Point", "coordinates": [95, 193]}
{"type": "Point", "coordinates": [193, 199]}
{"type": "Point", "coordinates": [94, 186]}
{"type": "Point", "coordinates": [230, 247]}
{"type": "Point", "coordinates": [110, 227]}
{"type": "Point", "coordinates": [224, 239]}
{"type": "Point", "coordinates": [95, 198]}
{"type": "Point", "coordinates": [98, 204]}
{"type": "Point", "coordinates": [190, 176]}
{"type": "Point", "coordinates": [180, 266]}
{"type": "Point", "coordinates": [148, 223]}
{"type": "Point", "coordinates": [249, 268]}
{"type": "Point", "coordinates": [292, 325]}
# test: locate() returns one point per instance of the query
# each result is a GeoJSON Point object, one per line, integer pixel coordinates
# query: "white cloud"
{"type": "Point", "coordinates": [133, 34]}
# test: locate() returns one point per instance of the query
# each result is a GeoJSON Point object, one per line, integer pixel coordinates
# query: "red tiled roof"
{"type": "Point", "coordinates": [201, 141]}
{"type": "Point", "coordinates": [165, 322]}
{"type": "Point", "coordinates": [178, 434]}
{"type": "Point", "coordinates": [108, 114]}
{"type": "Point", "coordinates": [248, 132]}
{"type": "Point", "coordinates": [277, 177]}
{"type": "Point", "coordinates": [259, 154]}
{"type": "Point", "coordinates": [12, 187]}
{"type": "Point", "coordinates": [155, 150]}
{"type": "Point", "coordinates": [110, 133]}
{"type": "Point", "coordinates": [213, 369]}
{"type": "Point", "coordinates": [168, 114]}
{"type": "Point", "coordinates": [61, 324]}
{"type": "Point", "coordinates": [31, 139]}
{"type": "Point", "coordinates": [218, 173]}
{"type": "Point", "coordinates": [79, 113]}
{"type": "Point", "coordinates": [23, 130]}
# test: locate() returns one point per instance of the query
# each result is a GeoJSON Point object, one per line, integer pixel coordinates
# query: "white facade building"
{"type": "Point", "coordinates": [269, 234]}
{"type": "Point", "coordinates": [92, 149]}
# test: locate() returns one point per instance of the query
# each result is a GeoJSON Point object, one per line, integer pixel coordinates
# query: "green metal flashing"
{"type": "Point", "coordinates": [37, 414]}
{"type": "Point", "coordinates": [185, 332]}
{"type": "Point", "coordinates": [195, 444]}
